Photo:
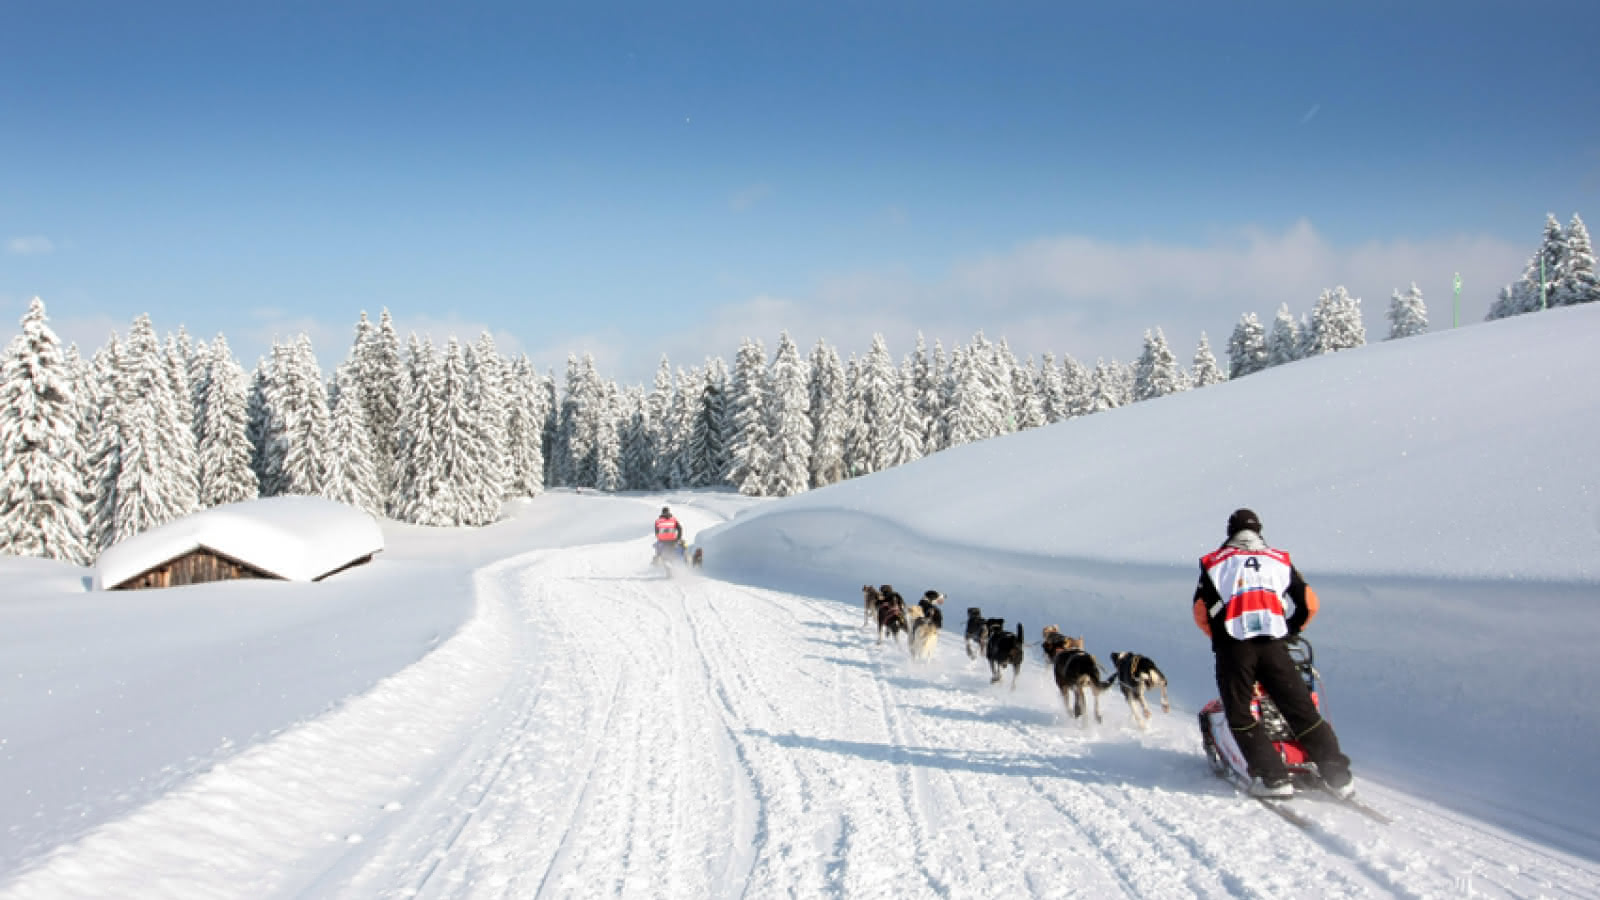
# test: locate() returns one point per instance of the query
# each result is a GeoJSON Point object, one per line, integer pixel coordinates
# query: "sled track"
{"type": "Point", "coordinates": [687, 737]}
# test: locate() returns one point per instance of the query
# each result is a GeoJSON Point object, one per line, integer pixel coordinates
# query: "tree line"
{"type": "Point", "coordinates": [148, 430]}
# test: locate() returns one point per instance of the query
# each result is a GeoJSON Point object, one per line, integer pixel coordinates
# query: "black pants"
{"type": "Point", "coordinates": [1240, 665]}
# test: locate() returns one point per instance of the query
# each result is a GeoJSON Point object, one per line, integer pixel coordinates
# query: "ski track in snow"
{"type": "Point", "coordinates": [599, 730]}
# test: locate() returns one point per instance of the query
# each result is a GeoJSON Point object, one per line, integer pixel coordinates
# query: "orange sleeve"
{"type": "Point", "coordinates": [1202, 620]}
{"type": "Point", "coordinates": [1311, 606]}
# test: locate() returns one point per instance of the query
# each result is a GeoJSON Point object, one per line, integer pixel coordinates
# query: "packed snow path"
{"type": "Point", "coordinates": [600, 730]}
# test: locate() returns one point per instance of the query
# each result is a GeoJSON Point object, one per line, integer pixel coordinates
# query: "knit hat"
{"type": "Point", "coordinates": [1242, 520]}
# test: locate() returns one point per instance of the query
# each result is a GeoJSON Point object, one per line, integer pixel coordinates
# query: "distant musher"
{"type": "Point", "coordinates": [669, 536]}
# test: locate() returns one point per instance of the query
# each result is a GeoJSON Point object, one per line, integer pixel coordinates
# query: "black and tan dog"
{"type": "Point", "coordinates": [1135, 675]}
{"type": "Point", "coordinates": [975, 626]}
{"type": "Point", "coordinates": [1002, 648]}
{"type": "Point", "coordinates": [891, 613]}
{"type": "Point", "coordinates": [1051, 640]}
{"type": "Point", "coordinates": [698, 558]}
{"type": "Point", "coordinates": [1077, 674]}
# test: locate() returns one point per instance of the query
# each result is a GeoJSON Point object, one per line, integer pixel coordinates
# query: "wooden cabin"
{"type": "Point", "coordinates": [289, 538]}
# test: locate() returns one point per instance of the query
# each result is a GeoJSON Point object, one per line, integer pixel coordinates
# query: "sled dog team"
{"type": "Point", "coordinates": [1077, 672]}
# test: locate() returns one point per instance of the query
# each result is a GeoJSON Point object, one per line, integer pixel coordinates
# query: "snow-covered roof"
{"type": "Point", "coordinates": [293, 537]}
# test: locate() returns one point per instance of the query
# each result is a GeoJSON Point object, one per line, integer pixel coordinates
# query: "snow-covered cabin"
{"type": "Point", "coordinates": [293, 538]}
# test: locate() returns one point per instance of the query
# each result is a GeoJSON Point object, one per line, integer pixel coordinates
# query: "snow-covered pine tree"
{"type": "Point", "coordinates": [858, 458]}
{"type": "Point", "coordinates": [225, 451]}
{"type": "Point", "coordinates": [827, 409]}
{"type": "Point", "coordinates": [550, 404]}
{"type": "Point", "coordinates": [351, 476]}
{"type": "Point", "coordinates": [1336, 323]}
{"type": "Point", "coordinates": [581, 409]}
{"type": "Point", "coordinates": [937, 401]}
{"type": "Point", "coordinates": [105, 448]}
{"type": "Point", "coordinates": [924, 392]}
{"type": "Point", "coordinates": [971, 417]}
{"type": "Point", "coordinates": [199, 366]}
{"type": "Point", "coordinates": [707, 451]}
{"type": "Point", "coordinates": [1205, 372]}
{"type": "Point", "coordinates": [881, 397]}
{"type": "Point", "coordinates": [564, 418]}
{"type": "Point", "coordinates": [1122, 381]}
{"type": "Point", "coordinates": [178, 354]}
{"type": "Point", "coordinates": [1579, 282]}
{"type": "Point", "coordinates": [151, 485]}
{"type": "Point", "coordinates": [1025, 388]}
{"type": "Point", "coordinates": [906, 440]}
{"type": "Point", "coordinates": [1105, 391]}
{"type": "Point", "coordinates": [634, 460]}
{"type": "Point", "coordinates": [995, 364]}
{"type": "Point", "coordinates": [1077, 384]}
{"type": "Point", "coordinates": [1408, 315]}
{"type": "Point", "coordinates": [1052, 390]}
{"type": "Point", "coordinates": [1157, 374]}
{"type": "Point", "coordinates": [747, 438]}
{"type": "Point", "coordinates": [257, 421]}
{"type": "Point", "coordinates": [788, 410]}
{"type": "Point", "coordinates": [90, 397]}
{"type": "Point", "coordinates": [525, 430]}
{"type": "Point", "coordinates": [1283, 342]}
{"type": "Point", "coordinates": [380, 377]}
{"type": "Point", "coordinates": [301, 400]}
{"type": "Point", "coordinates": [1553, 251]}
{"type": "Point", "coordinates": [656, 457]}
{"type": "Point", "coordinates": [457, 444]}
{"type": "Point", "coordinates": [41, 457]}
{"type": "Point", "coordinates": [1247, 347]}
{"type": "Point", "coordinates": [680, 427]}
{"type": "Point", "coordinates": [416, 471]}
{"type": "Point", "coordinates": [607, 451]}
{"type": "Point", "coordinates": [487, 392]}
{"type": "Point", "coordinates": [267, 424]}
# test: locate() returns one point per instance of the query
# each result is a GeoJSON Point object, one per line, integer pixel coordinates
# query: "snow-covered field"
{"type": "Point", "coordinates": [530, 710]}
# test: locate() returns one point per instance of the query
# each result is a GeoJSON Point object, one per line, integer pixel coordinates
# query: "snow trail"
{"type": "Point", "coordinates": [599, 730]}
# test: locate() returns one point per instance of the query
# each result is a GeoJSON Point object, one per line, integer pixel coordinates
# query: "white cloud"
{"type": "Point", "coordinates": [30, 245]}
{"type": "Point", "coordinates": [1074, 294]}
{"type": "Point", "coordinates": [1311, 113]}
{"type": "Point", "coordinates": [1095, 298]}
{"type": "Point", "coordinates": [748, 197]}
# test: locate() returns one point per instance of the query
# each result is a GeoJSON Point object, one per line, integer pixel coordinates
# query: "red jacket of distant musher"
{"type": "Point", "coordinates": [668, 529]}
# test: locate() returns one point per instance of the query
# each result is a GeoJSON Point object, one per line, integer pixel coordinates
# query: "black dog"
{"type": "Point", "coordinates": [1135, 675]}
{"type": "Point", "coordinates": [975, 623]}
{"type": "Point", "coordinates": [891, 613]}
{"type": "Point", "coordinates": [1077, 673]}
{"type": "Point", "coordinates": [1004, 649]}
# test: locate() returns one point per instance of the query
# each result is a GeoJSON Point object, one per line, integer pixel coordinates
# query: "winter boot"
{"type": "Point", "coordinates": [1343, 789]}
{"type": "Point", "coordinates": [1272, 788]}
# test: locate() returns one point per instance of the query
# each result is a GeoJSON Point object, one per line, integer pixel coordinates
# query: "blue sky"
{"type": "Point", "coordinates": [633, 180]}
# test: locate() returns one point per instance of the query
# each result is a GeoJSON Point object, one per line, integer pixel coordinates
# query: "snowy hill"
{"type": "Point", "coordinates": [1442, 493]}
{"type": "Point", "coordinates": [528, 710]}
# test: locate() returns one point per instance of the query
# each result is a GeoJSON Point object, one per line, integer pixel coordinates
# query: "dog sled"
{"type": "Point", "coordinates": [669, 555]}
{"type": "Point", "coordinates": [1223, 753]}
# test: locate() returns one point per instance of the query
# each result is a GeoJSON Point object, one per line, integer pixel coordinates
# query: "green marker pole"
{"type": "Point", "coordinates": [1457, 322]}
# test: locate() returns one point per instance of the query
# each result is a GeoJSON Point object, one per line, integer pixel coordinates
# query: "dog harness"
{"type": "Point", "coordinates": [1251, 585]}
